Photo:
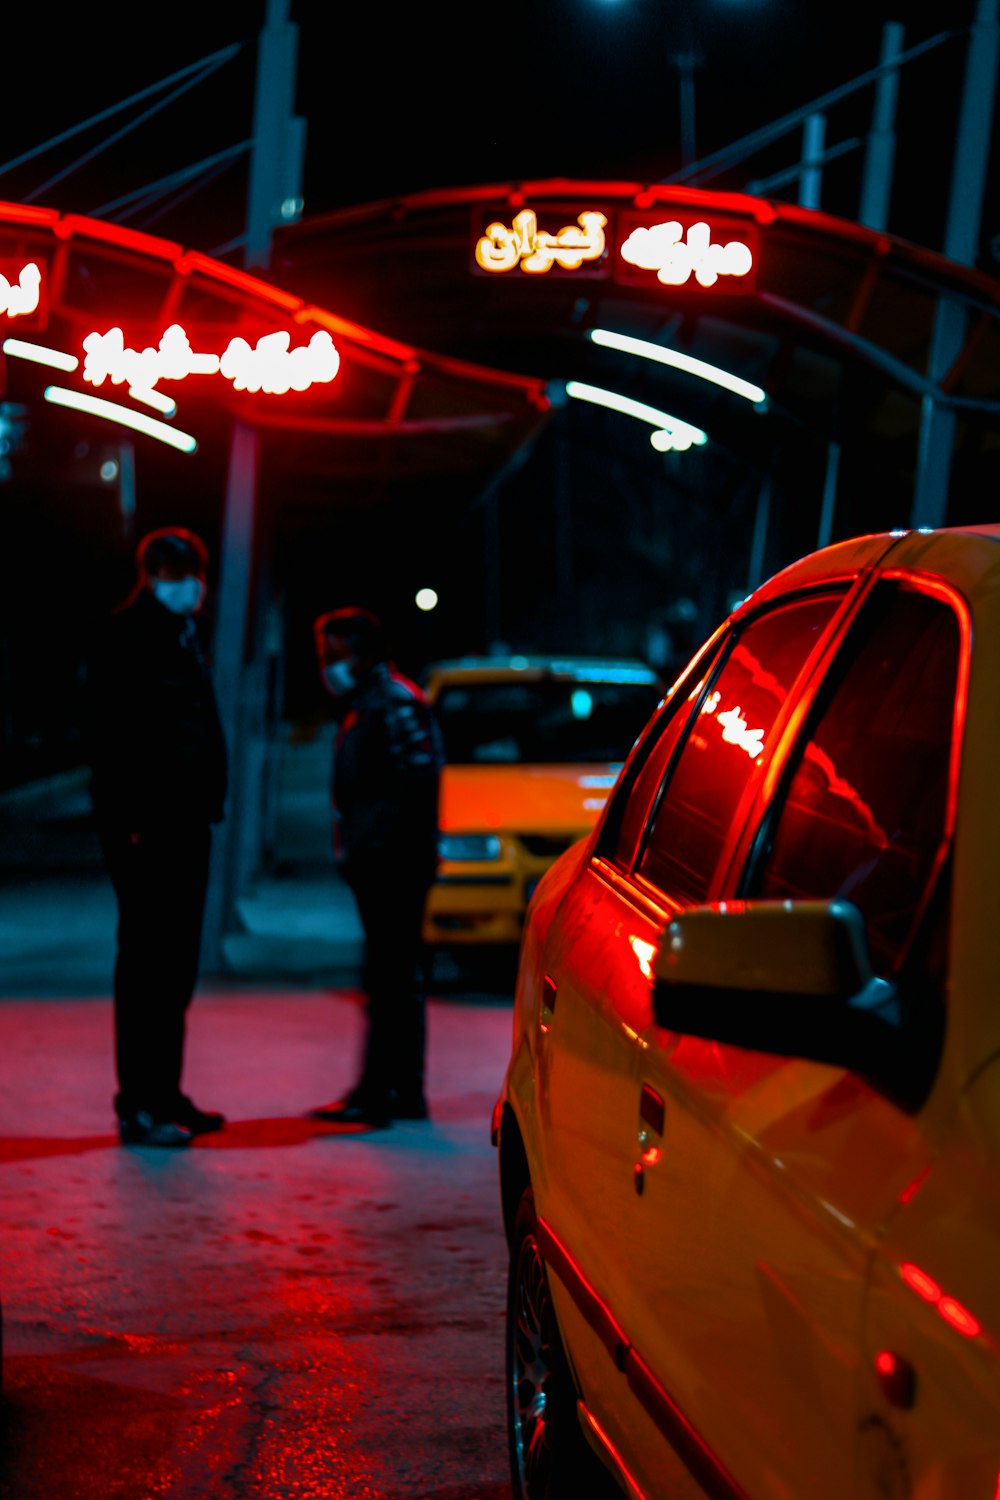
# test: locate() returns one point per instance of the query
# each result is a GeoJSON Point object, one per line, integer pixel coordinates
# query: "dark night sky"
{"type": "Point", "coordinates": [402, 99]}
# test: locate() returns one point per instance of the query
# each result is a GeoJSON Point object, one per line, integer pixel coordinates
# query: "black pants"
{"type": "Point", "coordinates": [390, 904]}
{"type": "Point", "coordinates": [160, 881]}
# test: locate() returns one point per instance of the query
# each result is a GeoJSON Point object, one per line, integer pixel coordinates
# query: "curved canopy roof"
{"type": "Point", "coordinates": [392, 408]}
{"type": "Point", "coordinates": [834, 321]}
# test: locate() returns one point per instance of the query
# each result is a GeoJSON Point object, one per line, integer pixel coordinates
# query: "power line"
{"type": "Point", "coordinates": [117, 135]}
{"type": "Point", "coordinates": [729, 155]}
{"type": "Point", "coordinates": [142, 197]}
{"type": "Point", "coordinates": [226, 54]}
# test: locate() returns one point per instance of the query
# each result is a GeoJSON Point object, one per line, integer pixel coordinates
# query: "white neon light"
{"type": "Point", "coordinates": [156, 399]}
{"type": "Point", "coordinates": [22, 296]}
{"type": "Point", "coordinates": [272, 367]}
{"type": "Point", "coordinates": [735, 732]}
{"type": "Point", "coordinates": [671, 432]}
{"type": "Point", "coordinates": [734, 726]}
{"type": "Point", "coordinates": [40, 355]}
{"type": "Point", "coordinates": [664, 249]}
{"type": "Point", "coordinates": [502, 248]}
{"type": "Point", "coordinates": [268, 366]}
{"type": "Point", "coordinates": [678, 361]}
{"type": "Point", "coordinates": [138, 420]}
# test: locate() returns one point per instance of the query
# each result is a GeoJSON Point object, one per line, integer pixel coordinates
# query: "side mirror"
{"type": "Point", "coordinates": [793, 978]}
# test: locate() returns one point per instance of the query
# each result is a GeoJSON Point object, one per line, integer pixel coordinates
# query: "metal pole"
{"type": "Point", "coordinates": [880, 150]}
{"type": "Point", "coordinates": [228, 664]}
{"type": "Point", "coordinates": [829, 494]}
{"type": "Point", "coordinates": [811, 170]}
{"type": "Point", "coordinates": [686, 62]}
{"type": "Point", "coordinates": [973, 140]}
{"type": "Point", "coordinates": [274, 193]}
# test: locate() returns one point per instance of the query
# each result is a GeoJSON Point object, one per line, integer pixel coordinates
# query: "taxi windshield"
{"type": "Point", "coordinates": [544, 721]}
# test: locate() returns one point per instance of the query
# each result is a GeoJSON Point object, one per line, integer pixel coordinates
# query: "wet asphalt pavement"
{"type": "Point", "coordinates": [280, 1310]}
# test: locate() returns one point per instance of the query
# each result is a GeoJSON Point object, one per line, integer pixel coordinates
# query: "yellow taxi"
{"type": "Point", "coordinates": [532, 746]}
{"type": "Point", "coordinates": [749, 1131]}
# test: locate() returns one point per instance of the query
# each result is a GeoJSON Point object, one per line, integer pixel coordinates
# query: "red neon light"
{"type": "Point", "coordinates": [193, 260]}
{"type": "Point", "coordinates": [114, 234]}
{"type": "Point", "coordinates": [954, 1313]}
{"type": "Point", "coordinates": [20, 213]}
{"type": "Point", "coordinates": [921, 1283]}
{"type": "Point", "coordinates": [950, 1309]}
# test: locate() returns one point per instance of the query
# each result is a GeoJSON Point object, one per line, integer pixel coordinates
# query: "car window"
{"type": "Point", "coordinates": [866, 808]}
{"type": "Point", "coordinates": [726, 744]}
{"type": "Point", "coordinates": [629, 805]}
{"type": "Point", "coordinates": [543, 720]}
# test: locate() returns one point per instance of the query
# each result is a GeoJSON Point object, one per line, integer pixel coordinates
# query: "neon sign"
{"type": "Point", "coordinates": [734, 726]}
{"type": "Point", "coordinates": [676, 255]}
{"type": "Point", "coordinates": [536, 250]}
{"type": "Point", "coordinates": [268, 366]}
{"type": "Point", "coordinates": [19, 298]}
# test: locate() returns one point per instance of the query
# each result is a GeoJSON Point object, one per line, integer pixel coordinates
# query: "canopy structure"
{"type": "Point", "coordinates": [883, 348]}
{"type": "Point", "coordinates": [391, 407]}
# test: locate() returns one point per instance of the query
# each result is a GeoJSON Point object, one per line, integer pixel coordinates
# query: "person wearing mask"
{"type": "Point", "coordinates": [158, 765]}
{"type": "Point", "coordinates": [387, 762]}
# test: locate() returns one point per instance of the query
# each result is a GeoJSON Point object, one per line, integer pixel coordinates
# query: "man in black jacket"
{"type": "Point", "coordinates": [158, 782]}
{"type": "Point", "coordinates": [386, 778]}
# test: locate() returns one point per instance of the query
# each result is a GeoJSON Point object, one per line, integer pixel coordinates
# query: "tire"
{"type": "Point", "coordinates": [550, 1458]}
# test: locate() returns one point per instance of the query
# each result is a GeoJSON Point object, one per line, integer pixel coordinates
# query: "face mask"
{"type": "Point", "coordinates": [339, 677]}
{"type": "Point", "coordinates": [182, 596]}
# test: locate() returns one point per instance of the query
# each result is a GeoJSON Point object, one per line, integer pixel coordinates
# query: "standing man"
{"type": "Point", "coordinates": [386, 776]}
{"type": "Point", "coordinates": [158, 782]}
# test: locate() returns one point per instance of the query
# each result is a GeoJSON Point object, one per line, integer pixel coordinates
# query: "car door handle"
{"type": "Point", "coordinates": [652, 1118]}
{"type": "Point", "coordinates": [652, 1110]}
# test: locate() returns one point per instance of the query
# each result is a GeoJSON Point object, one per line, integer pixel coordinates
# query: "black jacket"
{"type": "Point", "coordinates": [154, 741]}
{"type": "Point", "coordinates": [386, 776]}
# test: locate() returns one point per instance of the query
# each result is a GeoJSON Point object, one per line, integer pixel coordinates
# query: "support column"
{"type": "Point", "coordinates": [973, 141]}
{"type": "Point", "coordinates": [880, 150]}
{"type": "Point", "coordinates": [811, 170]}
{"type": "Point", "coordinates": [239, 650]}
{"type": "Point", "coordinates": [829, 494]}
{"type": "Point", "coordinates": [229, 650]}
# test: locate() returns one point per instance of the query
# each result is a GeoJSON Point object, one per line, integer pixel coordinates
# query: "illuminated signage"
{"type": "Point", "coordinates": [679, 254]}
{"type": "Point", "coordinates": [269, 365]}
{"type": "Point", "coordinates": [734, 726]}
{"type": "Point", "coordinates": [636, 247]}
{"type": "Point", "coordinates": [20, 297]}
{"type": "Point", "coordinates": [522, 244]}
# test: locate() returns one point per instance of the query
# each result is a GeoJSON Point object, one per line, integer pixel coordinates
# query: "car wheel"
{"type": "Point", "coordinates": [549, 1457]}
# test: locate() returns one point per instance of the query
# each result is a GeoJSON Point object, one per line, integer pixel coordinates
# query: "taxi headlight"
{"type": "Point", "coordinates": [468, 846]}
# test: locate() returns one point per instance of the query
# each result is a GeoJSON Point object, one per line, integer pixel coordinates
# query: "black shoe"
{"type": "Point", "coordinates": [141, 1129]}
{"type": "Point", "coordinates": [351, 1111]}
{"type": "Point", "coordinates": [198, 1121]}
{"type": "Point", "coordinates": [409, 1107]}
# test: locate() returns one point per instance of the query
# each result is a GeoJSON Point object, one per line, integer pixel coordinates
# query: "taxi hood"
{"type": "Point", "coordinates": [519, 798]}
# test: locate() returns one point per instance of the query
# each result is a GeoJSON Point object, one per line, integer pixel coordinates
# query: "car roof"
{"type": "Point", "coordinates": [848, 558]}
{"type": "Point", "coordinates": [536, 666]}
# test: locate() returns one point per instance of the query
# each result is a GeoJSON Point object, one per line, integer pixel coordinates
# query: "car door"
{"type": "Point", "coordinates": [599, 1008]}
{"type": "Point", "coordinates": [773, 1178]}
